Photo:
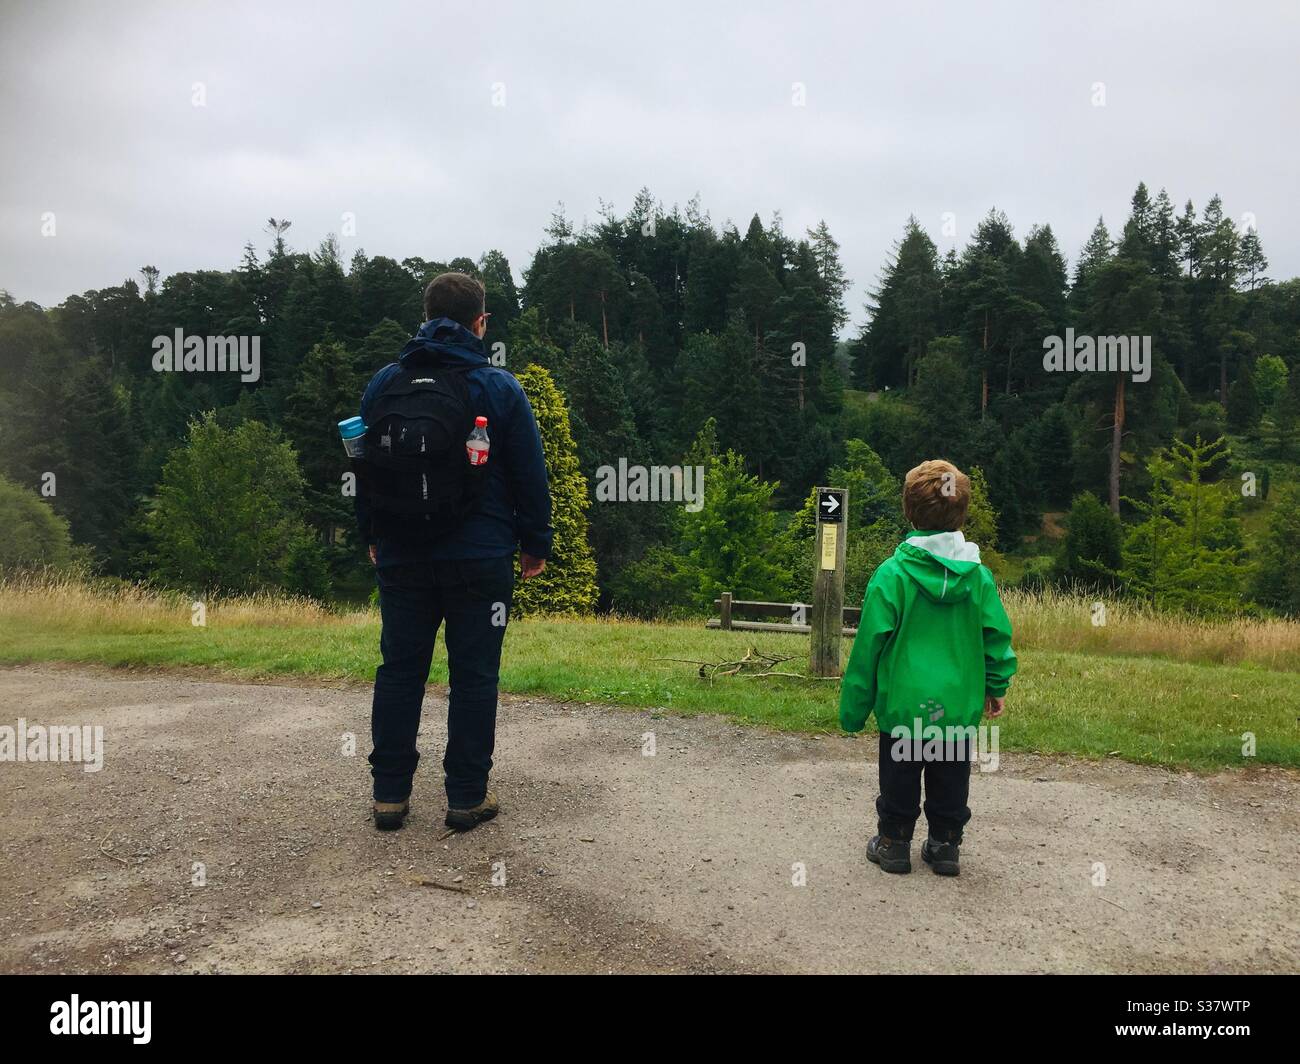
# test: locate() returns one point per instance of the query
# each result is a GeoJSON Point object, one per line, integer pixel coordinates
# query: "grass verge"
{"type": "Point", "coordinates": [1082, 689]}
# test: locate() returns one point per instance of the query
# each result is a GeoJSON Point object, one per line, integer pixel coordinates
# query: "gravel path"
{"type": "Point", "coordinates": [604, 859]}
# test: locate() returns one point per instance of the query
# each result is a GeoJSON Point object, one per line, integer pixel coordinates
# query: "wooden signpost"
{"type": "Point", "coordinates": [828, 582]}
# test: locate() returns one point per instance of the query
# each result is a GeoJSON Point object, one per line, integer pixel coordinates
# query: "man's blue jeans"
{"type": "Point", "coordinates": [473, 598]}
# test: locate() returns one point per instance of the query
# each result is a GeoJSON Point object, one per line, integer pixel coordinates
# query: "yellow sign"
{"type": "Point", "coordinates": [830, 538]}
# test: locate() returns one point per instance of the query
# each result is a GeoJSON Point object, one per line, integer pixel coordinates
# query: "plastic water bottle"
{"type": "Point", "coordinates": [353, 432]}
{"type": "Point", "coordinates": [476, 447]}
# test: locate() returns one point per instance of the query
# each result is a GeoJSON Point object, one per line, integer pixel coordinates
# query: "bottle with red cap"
{"type": "Point", "coordinates": [476, 447]}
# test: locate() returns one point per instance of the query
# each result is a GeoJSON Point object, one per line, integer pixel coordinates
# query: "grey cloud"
{"type": "Point", "coordinates": [384, 109]}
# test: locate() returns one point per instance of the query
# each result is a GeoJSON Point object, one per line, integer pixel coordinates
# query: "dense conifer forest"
{"type": "Point", "coordinates": [658, 337]}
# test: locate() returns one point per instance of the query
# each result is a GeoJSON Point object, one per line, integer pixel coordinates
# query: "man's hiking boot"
{"type": "Point", "coordinates": [893, 855]}
{"type": "Point", "coordinates": [941, 856]}
{"type": "Point", "coordinates": [466, 819]}
{"type": "Point", "coordinates": [389, 816]}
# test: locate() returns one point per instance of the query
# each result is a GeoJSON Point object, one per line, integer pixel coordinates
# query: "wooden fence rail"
{"type": "Point", "coordinates": [729, 607]}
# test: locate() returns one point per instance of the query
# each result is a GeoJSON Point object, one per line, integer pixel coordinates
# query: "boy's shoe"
{"type": "Point", "coordinates": [893, 855]}
{"type": "Point", "coordinates": [389, 816]}
{"type": "Point", "coordinates": [941, 857]}
{"type": "Point", "coordinates": [465, 819]}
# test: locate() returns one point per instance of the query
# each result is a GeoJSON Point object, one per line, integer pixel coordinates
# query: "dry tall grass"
{"type": "Point", "coordinates": [74, 603]}
{"type": "Point", "coordinates": [1054, 620]}
{"type": "Point", "coordinates": [1051, 620]}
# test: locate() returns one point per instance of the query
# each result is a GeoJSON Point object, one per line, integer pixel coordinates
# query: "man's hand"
{"type": "Point", "coordinates": [372, 551]}
{"type": "Point", "coordinates": [531, 566]}
{"type": "Point", "coordinates": [993, 705]}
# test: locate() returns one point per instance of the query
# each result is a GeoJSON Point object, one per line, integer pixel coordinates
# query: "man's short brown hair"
{"type": "Point", "coordinates": [936, 496]}
{"type": "Point", "coordinates": [457, 296]}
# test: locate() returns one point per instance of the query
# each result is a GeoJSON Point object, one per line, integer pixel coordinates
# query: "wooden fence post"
{"type": "Point", "coordinates": [724, 610]}
{"type": "Point", "coordinates": [828, 582]}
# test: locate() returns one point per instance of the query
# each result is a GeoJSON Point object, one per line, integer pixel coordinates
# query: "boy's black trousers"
{"type": "Point", "coordinates": [947, 788]}
{"type": "Point", "coordinates": [472, 599]}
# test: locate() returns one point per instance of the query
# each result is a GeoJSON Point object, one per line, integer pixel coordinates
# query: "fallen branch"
{"type": "Point", "coordinates": [422, 882]}
{"type": "Point", "coordinates": [790, 675]}
{"type": "Point", "coordinates": [754, 665]}
{"type": "Point", "coordinates": [105, 846]}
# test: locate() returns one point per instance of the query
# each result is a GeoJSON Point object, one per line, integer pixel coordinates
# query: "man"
{"type": "Point", "coordinates": [464, 574]}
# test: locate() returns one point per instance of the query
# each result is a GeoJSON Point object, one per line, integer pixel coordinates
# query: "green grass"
{"type": "Point", "coordinates": [1094, 704]}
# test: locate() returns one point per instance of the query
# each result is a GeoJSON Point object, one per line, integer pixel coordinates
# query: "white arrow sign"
{"type": "Point", "coordinates": [831, 503]}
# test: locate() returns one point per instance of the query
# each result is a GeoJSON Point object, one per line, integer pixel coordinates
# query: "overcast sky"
{"type": "Point", "coordinates": [386, 110]}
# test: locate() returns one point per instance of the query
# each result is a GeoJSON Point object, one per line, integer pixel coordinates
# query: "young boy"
{"type": "Point", "coordinates": [933, 650]}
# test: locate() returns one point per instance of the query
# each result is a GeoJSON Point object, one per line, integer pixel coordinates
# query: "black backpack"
{"type": "Point", "coordinates": [415, 473]}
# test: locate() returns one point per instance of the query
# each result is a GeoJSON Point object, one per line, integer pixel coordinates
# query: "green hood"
{"type": "Point", "coordinates": [943, 564]}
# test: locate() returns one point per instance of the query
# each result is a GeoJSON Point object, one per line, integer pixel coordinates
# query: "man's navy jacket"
{"type": "Point", "coordinates": [515, 507]}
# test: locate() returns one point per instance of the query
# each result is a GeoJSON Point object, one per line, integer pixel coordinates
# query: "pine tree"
{"type": "Point", "coordinates": [704, 448]}
{"type": "Point", "coordinates": [529, 345]}
{"type": "Point", "coordinates": [568, 584]}
{"type": "Point", "coordinates": [1188, 231]}
{"type": "Point", "coordinates": [995, 318]}
{"type": "Point", "coordinates": [700, 368]}
{"type": "Point", "coordinates": [228, 515]}
{"type": "Point", "coordinates": [1243, 402]}
{"type": "Point", "coordinates": [328, 390]}
{"type": "Point", "coordinates": [904, 314]}
{"type": "Point", "coordinates": [1251, 262]}
{"type": "Point", "coordinates": [1012, 470]}
{"type": "Point", "coordinates": [1119, 296]}
{"type": "Point", "coordinates": [1138, 241]}
{"type": "Point", "coordinates": [1041, 277]}
{"type": "Point", "coordinates": [75, 424]}
{"type": "Point", "coordinates": [1276, 580]}
{"type": "Point", "coordinates": [334, 299]}
{"type": "Point", "coordinates": [944, 401]}
{"type": "Point", "coordinates": [385, 291]}
{"type": "Point", "coordinates": [382, 345]}
{"type": "Point", "coordinates": [826, 254]}
{"type": "Point", "coordinates": [1096, 252]}
{"type": "Point", "coordinates": [1186, 552]}
{"type": "Point", "coordinates": [755, 294]}
{"type": "Point", "coordinates": [1053, 449]}
{"type": "Point", "coordinates": [1288, 413]}
{"type": "Point", "coordinates": [1218, 244]}
{"type": "Point", "coordinates": [1091, 555]}
{"type": "Point", "coordinates": [501, 296]}
{"type": "Point", "coordinates": [730, 541]}
{"type": "Point", "coordinates": [710, 277]}
{"type": "Point", "coordinates": [664, 581]}
{"type": "Point", "coordinates": [1175, 331]}
{"type": "Point", "coordinates": [603, 422]}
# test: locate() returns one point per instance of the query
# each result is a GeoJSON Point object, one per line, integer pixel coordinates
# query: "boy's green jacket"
{"type": "Point", "coordinates": [933, 640]}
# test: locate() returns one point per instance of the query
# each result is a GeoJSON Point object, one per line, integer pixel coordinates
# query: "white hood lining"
{"type": "Point", "coordinates": [950, 545]}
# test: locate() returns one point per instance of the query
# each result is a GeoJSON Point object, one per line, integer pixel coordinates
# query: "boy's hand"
{"type": "Point", "coordinates": [530, 566]}
{"type": "Point", "coordinates": [993, 705]}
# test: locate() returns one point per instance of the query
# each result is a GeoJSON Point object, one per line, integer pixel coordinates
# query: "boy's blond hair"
{"type": "Point", "coordinates": [936, 496]}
